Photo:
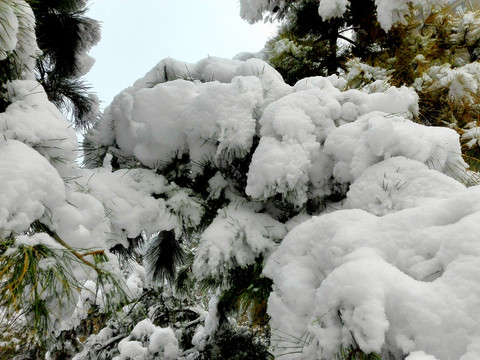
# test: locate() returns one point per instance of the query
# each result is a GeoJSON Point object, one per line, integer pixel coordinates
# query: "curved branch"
{"type": "Point", "coordinates": [76, 254]}
{"type": "Point", "coordinates": [347, 39]}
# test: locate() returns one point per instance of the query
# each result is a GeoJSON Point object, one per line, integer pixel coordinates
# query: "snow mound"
{"type": "Point", "coordinates": [377, 136]}
{"type": "Point", "coordinates": [52, 136]}
{"type": "Point", "coordinates": [208, 121]}
{"type": "Point", "coordinates": [403, 283]}
{"type": "Point", "coordinates": [147, 341]}
{"type": "Point", "coordinates": [399, 183]}
{"type": "Point", "coordinates": [31, 187]}
{"type": "Point", "coordinates": [336, 135]}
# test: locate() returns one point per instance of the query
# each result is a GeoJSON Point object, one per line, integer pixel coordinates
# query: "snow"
{"type": "Point", "coordinates": [92, 209]}
{"type": "Point", "coordinates": [365, 278]}
{"type": "Point", "coordinates": [131, 350]}
{"type": "Point", "coordinates": [293, 155]}
{"type": "Point", "coordinates": [466, 29]}
{"type": "Point", "coordinates": [217, 185]}
{"type": "Point", "coordinates": [399, 247]}
{"type": "Point", "coordinates": [202, 333]}
{"type": "Point", "coordinates": [17, 36]}
{"type": "Point", "coordinates": [187, 208]}
{"type": "Point", "coordinates": [395, 11]}
{"type": "Point", "coordinates": [147, 341]}
{"type": "Point", "coordinates": [8, 29]}
{"type": "Point", "coordinates": [237, 236]}
{"type": "Point", "coordinates": [389, 12]}
{"type": "Point", "coordinates": [52, 137]}
{"type": "Point", "coordinates": [136, 281]}
{"type": "Point", "coordinates": [252, 10]}
{"type": "Point", "coordinates": [377, 136]}
{"type": "Point", "coordinates": [142, 330]}
{"type": "Point", "coordinates": [85, 63]}
{"type": "Point", "coordinates": [153, 130]}
{"type": "Point", "coordinates": [420, 355]}
{"type": "Point", "coordinates": [31, 187]}
{"type": "Point", "coordinates": [399, 183]}
{"type": "Point", "coordinates": [473, 135]}
{"type": "Point", "coordinates": [332, 8]}
{"type": "Point", "coordinates": [119, 203]}
{"type": "Point", "coordinates": [279, 167]}
{"type": "Point", "coordinates": [37, 239]}
{"type": "Point", "coordinates": [163, 120]}
{"type": "Point", "coordinates": [461, 83]}
{"type": "Point", "coordinates": [163, 341]}
{"type": "Point", "coordinates": [392, 269]}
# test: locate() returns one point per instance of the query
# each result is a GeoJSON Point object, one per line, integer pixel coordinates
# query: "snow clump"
{"type": "Point", "coordinates": [391, 272]}
{"type": "Point", "coordinates": [17, 36]}
{"type": "Point", "coordinates": [147, 341]}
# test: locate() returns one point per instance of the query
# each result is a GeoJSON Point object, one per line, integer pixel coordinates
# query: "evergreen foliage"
{"type": "Point", "coordinates": [434, 56]}
{"type": "Point", "coordinates": [190, 204]}
{"type": "Point", "coordinates": [230, 343]}
{"type": "Point", "coordinates": [307, 45]}
{"type": "Point", "coordinates": [41, 275]}
{"type": "Point", "coordinates": [65, 34]}
{"type": "Point", "coordinates": [417, 53]}
{"type": "Point", "coordinates": [163, 255]}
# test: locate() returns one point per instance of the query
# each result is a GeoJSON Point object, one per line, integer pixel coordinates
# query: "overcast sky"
{"type": "Point", "coordinates": [136, 34]}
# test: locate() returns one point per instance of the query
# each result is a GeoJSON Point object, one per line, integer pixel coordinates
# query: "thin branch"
{"type": "Point", "coordinates": [347, 39]}
{"type": "Point", "coordinates": [95, 252]}
{"type": "Point", "coordinates": [79, 256]}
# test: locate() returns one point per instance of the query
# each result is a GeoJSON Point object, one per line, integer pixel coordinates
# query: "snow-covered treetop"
{"type": "Point", "coordinates": [389, 12]}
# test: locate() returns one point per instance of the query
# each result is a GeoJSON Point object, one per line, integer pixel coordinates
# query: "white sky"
{"type": "Point", "coordinates": [136, 34]}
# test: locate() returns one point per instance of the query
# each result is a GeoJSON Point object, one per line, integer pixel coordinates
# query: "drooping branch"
{"type": "Point", "coordinates": [348, 40]}
{"type": "Point", "coordinates": [78, 255]}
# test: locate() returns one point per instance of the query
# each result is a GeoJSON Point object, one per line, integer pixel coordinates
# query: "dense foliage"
{"type": "Point", "coordinates": [307, 45]}
{"type": "Point", "coordinates": [429, 50]}
{"type": "Point", "coordinates": [65, 35]}
{"type": "Point", "coordinates": [222, 213]}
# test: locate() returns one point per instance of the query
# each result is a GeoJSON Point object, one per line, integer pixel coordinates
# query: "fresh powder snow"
{"type": "Point", "coordinates": [392, 269]}
{"type": "Point", "coordinates": [388, 260]}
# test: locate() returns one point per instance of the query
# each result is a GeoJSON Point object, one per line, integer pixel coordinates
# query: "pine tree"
{"type": "Point", "coordinates": [18, 47]}
{"type": "Point", "coordinates": [237, 170]}
{"type": "Point", "coordinates": [65, 35]}
{"type": "Point", "coordinates": [199, 182]}
{"type": "Point", "coordinates": [307, 45]}
{"type": "Point", "coordinates": [44, 271]}
{"type": "Point", "coordinates": [437, 56]}
{"type": "Point", "coordinates": [434, 52]}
